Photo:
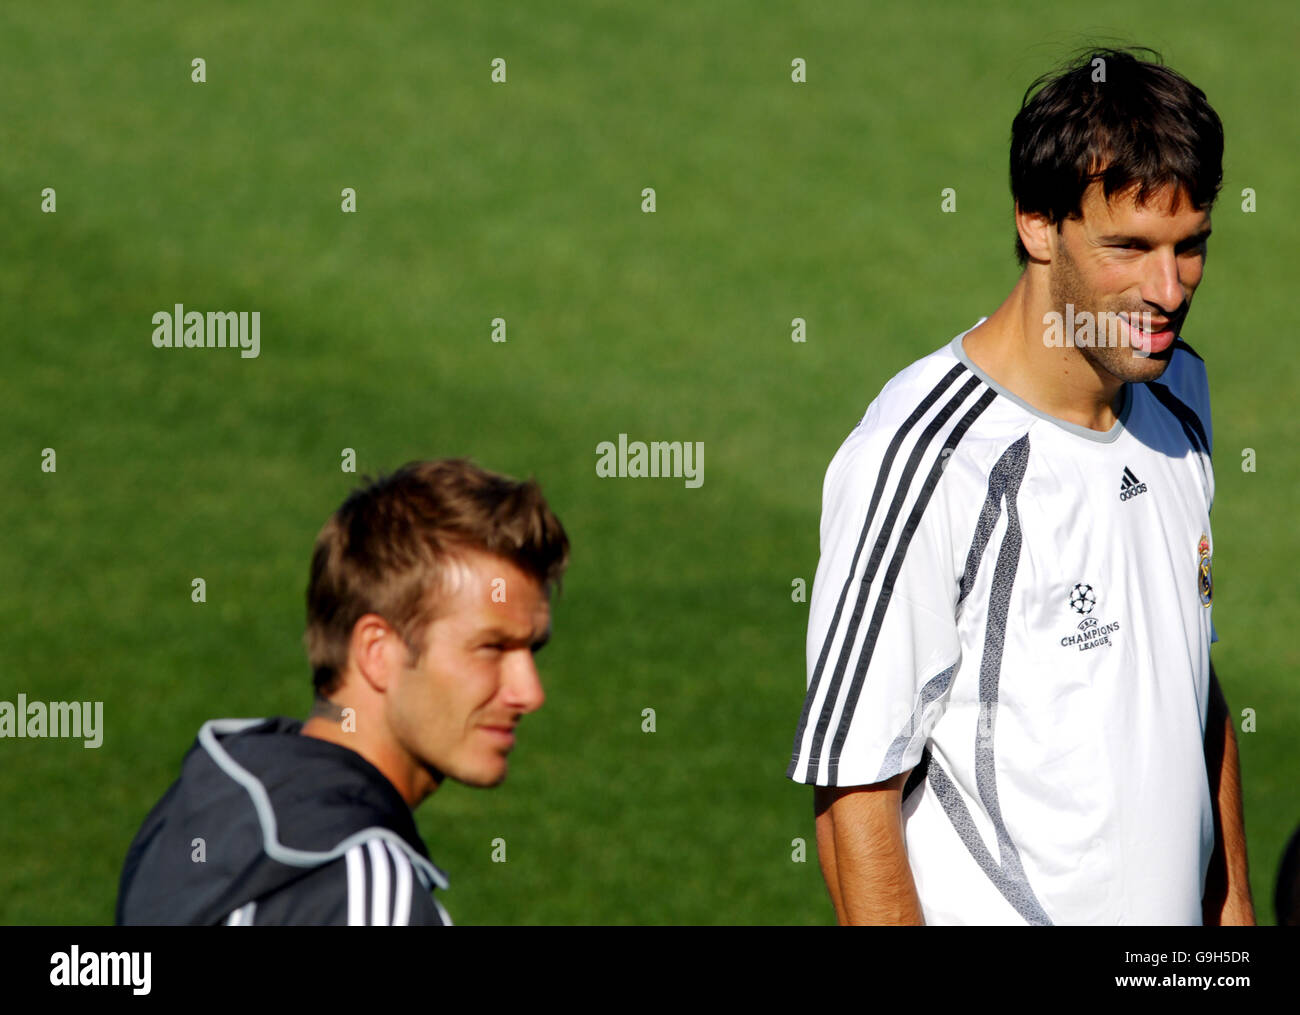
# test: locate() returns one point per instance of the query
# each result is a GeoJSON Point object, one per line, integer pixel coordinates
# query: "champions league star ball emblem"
{"type": "Point", "coordinates": [1082, 598]}
{"type": "Point", "coordinates": [1092, 633]}
{"type": "Point", "coordinates": [1204, 579]}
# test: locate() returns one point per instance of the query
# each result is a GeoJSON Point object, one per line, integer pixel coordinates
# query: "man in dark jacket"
{"type": "Point", "coordinates": [429, 595]}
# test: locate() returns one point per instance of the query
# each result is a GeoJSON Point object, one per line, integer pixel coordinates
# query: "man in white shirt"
{"type": "Point", "coordinates": [1011, 713]}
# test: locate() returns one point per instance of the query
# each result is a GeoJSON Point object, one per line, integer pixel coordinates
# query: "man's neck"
{"type": "Point", "coordinates": [328, 722]}
{"type": "Point", "coordinates": [1060, 381]}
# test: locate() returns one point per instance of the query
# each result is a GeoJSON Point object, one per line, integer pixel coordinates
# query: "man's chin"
{"type": "Point", "coordinates": [1129, 365]}
{"type": "Point", "coordinates": [486, 777]}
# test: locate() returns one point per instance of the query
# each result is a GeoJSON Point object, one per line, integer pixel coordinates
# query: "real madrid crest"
{"type": "Point", "coordinates": [1204, 580]}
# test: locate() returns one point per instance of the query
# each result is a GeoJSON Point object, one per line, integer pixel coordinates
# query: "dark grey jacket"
{"type": "Point", "coordinates": [265, 826]}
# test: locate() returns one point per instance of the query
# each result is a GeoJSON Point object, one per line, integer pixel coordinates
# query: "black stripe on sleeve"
{"type": "Point", "coordinates": [882, 477]}
{"type": "Point", "coordinates": [895, 566]}
{"type": "Point", "coordinates": [873, 565]}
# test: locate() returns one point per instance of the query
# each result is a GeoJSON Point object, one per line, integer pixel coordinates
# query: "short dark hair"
{"type": "Point", "coordinates": [386, 551]}
{"type": "Point", "coordinates": [1125, 122]}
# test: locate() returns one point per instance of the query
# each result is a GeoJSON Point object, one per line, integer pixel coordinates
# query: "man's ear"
{"type": "Point", "coordinates": [1036, 232]}
{"type": "Point", "coordinates": [376, 651]}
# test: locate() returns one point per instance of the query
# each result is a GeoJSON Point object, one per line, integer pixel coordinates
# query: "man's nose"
{"type": "Point", "coordinates": [1163, 287]}
{"type": "Point", "coordinates": [524, 684]}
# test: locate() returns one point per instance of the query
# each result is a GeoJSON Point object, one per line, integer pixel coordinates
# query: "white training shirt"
{"type": "Point", "coordinates": [1018, 609]}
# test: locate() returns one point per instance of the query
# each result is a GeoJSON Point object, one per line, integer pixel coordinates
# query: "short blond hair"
{"type": "Point", "coordinates": [388, 547]}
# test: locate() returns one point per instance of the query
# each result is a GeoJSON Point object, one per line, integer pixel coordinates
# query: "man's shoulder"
{"type": "Point", "coordinates": [933, 407]}
{"type": "Point", "coordinates": [268, 807]}
{"type": "Point", "coordinates": [1184, 390]}
{"type": "Point", "coordinates": [312, 793]}
{"type": "Point", "coordinates": [917, 387]}
{"type": "Point", "coordinates": [375, 882]}
{"type": "Point", "coordinates": [342, 843]}
{"type": "Point", "coordinates": [908, 394]}
{"type": "Point", "coordinates": [1186, 371]}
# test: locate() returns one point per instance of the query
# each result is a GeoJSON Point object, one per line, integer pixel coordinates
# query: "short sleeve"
{"type": "Point", "coordinates": [883, 644]}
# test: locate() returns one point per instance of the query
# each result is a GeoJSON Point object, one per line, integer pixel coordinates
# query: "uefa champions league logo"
{"type": "Point", "coordinates": [1092, 632]}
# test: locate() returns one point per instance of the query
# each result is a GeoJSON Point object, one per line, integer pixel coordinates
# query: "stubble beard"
{"type": "Point", "coordinates": [1066, 285]}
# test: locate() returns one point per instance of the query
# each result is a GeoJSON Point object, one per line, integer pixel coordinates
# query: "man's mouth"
{"type": "Point", "coordinates": [504, 734]}
{"type": "Point", "coordinates": [1157, 339]}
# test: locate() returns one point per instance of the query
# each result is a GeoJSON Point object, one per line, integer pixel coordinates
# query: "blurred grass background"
{"type": "Point", "coordinates": [522, 200]}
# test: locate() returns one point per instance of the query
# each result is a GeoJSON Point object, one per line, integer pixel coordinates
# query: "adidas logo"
{"type": "Point", "coordinates": [1130, 486]}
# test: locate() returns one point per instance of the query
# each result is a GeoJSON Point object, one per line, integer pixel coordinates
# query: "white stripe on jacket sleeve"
{"type": "Point", "coordinates": [356, 866]}
{"type": "Point", "coordinates": [402, 893]}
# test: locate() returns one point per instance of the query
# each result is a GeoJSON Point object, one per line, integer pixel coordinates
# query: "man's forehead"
{"type": "Point", "coordinates": [489, 591]}
{"type": "Point", "coordinates": [517, 622]}
{"type": "Point", "coordinates": [1166, 208]}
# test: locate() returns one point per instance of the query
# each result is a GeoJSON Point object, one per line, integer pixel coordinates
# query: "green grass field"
{"type": "Point", "coordinates": [522, 200]}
